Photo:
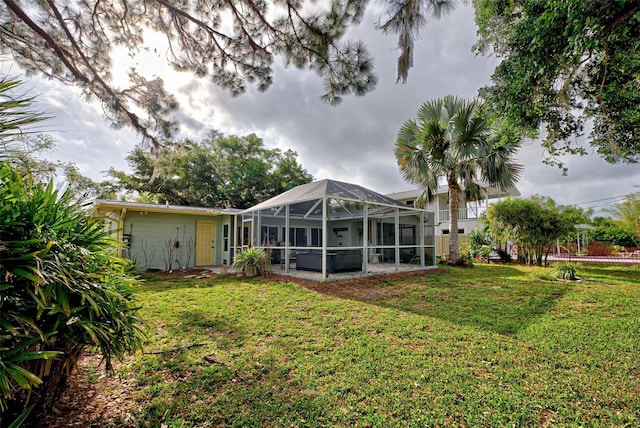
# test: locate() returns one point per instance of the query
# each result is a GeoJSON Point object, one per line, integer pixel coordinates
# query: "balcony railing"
{"type": "Point", "coordinates": [470, 213]}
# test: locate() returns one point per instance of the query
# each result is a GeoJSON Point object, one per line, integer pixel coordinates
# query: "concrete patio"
{"type": "Point", "coordinates": [372, 269]}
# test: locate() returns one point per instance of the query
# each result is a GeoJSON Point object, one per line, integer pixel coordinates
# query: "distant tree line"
{"type": "Point", "coordinates": [221, 171]}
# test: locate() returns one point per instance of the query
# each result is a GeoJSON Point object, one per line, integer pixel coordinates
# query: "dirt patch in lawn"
{"type": "Point", "coordinates": [368, 288]}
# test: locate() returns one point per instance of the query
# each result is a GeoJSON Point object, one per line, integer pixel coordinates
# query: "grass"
{"type": "Point", "coordinates": [489, 346]}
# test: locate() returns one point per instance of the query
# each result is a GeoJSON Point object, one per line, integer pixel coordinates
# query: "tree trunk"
{"type": "Point", "coordinates": [454, 195]}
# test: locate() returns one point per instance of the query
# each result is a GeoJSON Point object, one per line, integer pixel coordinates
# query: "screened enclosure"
{"type": "Point", "coordinates": [329, 226]}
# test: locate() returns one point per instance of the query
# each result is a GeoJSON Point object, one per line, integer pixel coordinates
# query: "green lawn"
{"type": "Point", "coordinates": [491, 346]}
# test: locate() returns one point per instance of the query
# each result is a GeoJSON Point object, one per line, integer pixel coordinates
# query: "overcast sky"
{"type": "Point", "coordinates": [352, 142]}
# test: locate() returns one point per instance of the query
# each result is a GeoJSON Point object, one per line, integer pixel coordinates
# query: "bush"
{"type": "Point", "coordinates": [479, 243]}
{"type": "Point", "coordinates": [504, 255]}
{"type": "Point", "coordinates": [566, 271]}
{"type": "Point", "coordinates": [617, 249]}
{"type": "Point", "coordinates": [63, 290]}
{"type": "Point", "coordinates": [465, 261]}
{"type": "Point", "coordinates": [252, 261]}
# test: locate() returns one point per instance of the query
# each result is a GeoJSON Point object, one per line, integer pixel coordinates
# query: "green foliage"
{"type": "Point", "coordinates": [617, 249]}
{"type": "Point", "coordinates": [627, 213]}
{"type": "Point", "coordinates": [62, 291]}
{"type": "Point", "coordinates": [232, 43]}
{"type": "Point", "coordinates": [612, 232]}
{"type": "Point", "coordinates": [527, 223]}
{"type": "Point", "coordinates": [563, 64]}
{"type": "Point", "coordinates": [479, 243]}
{"type": "Point", "coordinates": [534, 225]}
{"type": "Point", "coordinates": [252, 261]}
{"type": "Point", "coordinates": [450, 139]}
{"type": "Point", "coordinates": [220, 171]}
{"type": "Point", "coordinates": [566, 271]}
{"type": "Point", "coordinates": [16, 111]}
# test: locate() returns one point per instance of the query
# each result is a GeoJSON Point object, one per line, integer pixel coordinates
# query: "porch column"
{"type": "Point", "coordinates": [233, 237]}
{"type": "Point", "coordinates": [422, 238]}
{"type": "Point", "coordinates": [365, 238]}
{"type": "Point", "coordinates": [287, 247]}
{"type": "Point", "coordinates": [324, 238]}
{"type": "Point", "coordinates": [258, 227]}
{"type": "Point", "coordinates": [252, 237]}
{"type": "Point", "coordinates": [397, 233]}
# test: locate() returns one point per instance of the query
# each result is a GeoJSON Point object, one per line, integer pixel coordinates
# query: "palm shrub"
{"type": "Point", "coordinates": [62, 290]}
{"type": "Point", "coordinates": [252, 261]}
{"type": "Point", "coordinates": [566, 271]}
{"type": "Point", "coordinates": [450, 139]}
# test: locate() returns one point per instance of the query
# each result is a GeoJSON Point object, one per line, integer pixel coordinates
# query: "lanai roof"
{"type": "Point", "coordinates": [326, 188]}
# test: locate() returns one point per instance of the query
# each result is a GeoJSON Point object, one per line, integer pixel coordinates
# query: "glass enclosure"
{"type": "Point", "coordinates": [331, 227]}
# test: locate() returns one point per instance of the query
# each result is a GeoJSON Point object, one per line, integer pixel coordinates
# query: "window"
{"type": "Point", "coordinates": [446, 231]}
{"type": "Point", "coordinates": [410, 203]}
{"type": "Point", "coordinates": [407, 234]}
{"type": "Point", "coordinates": [225, 237]}
{"type": "Point", "coordinates": [243, 236]}
{"type": "Point", "coordinates": [316, 237]}
{"type": "Point", "coordinates": [297, 236]}
{"type": "Point", "coordinates": [269, 235]}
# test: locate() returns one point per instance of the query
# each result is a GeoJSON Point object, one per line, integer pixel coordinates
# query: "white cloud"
{"type": "Point", "coordinates": [353, 142]}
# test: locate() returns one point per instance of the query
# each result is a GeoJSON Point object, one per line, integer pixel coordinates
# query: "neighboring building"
{"type": "Point", "coordinates": [170, 237]}
{"type": "Point", "coordinates": [468, 213]}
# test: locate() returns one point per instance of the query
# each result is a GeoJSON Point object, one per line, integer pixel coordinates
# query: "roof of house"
{"type": "Point", "coordinates": [326, 188]}
{"type": "Point", "coordinates": [105, 204]}
{"type": "Point", "coordinates": [493, 192]}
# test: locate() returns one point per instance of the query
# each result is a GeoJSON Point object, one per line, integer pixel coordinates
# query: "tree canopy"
{"type": "Point", "coordinates": [534, 224]}
{"type": "Point", "coordinates": [627, 213]}
{"type": "Point", "coordinates": [220, 171]}
{"type": "Point", "coordinates": [234, 43]}
{"type": "Point", "coordinates": [567, 67]}
{"type": "Point", "coordinates": [450, 140]}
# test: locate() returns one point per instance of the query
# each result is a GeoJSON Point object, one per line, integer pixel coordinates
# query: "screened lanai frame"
{"type": "Point", "coordinates": [346, 226]}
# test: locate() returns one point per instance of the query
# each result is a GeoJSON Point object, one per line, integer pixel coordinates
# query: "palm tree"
{"type": "Point", "coordinates": [448, 139]}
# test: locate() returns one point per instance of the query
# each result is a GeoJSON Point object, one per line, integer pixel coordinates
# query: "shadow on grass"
{"type": "Point", "coordinates": [156, 283]}
{"type": "Point", "coordinates": [500, 299]}
{"type": "Point", "coordinates": [189, 390]}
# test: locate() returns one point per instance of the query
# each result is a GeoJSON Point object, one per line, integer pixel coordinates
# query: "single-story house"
{"type": "Point", "coordinates": [169, 237]}
{"type": "Point", "coordinates": [325, 226]}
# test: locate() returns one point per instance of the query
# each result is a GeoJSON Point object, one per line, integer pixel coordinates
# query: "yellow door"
{"type": "Point", "coordinates": [205, 243]}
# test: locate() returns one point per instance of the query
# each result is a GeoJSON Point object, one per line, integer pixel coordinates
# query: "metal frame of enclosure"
{"type": "Point", "coordinates": [345, 226]}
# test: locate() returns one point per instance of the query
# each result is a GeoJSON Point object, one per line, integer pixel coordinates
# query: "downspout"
{"type": "Point", "coordinates": [287, 237]}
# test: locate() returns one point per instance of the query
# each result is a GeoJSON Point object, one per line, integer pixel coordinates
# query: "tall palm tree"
{"type": "Point", "coordinates": [448, 139]}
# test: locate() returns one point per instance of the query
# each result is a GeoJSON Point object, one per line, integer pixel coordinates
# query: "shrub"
{"type": "Point", "coordinates": [504, 255]}
{"type": "Point", "coordinates": [617, 249]}
{"type": "Point", "coordinates": [252, 261]}
{"type": "Point", "coordinates": [465, 261]}
{"type": "Point", "coordinates": [63, 290]}
{"type": "Point", "coordinates": [566, 271]}
{"type": "Point", "coordinates": [479, 243]}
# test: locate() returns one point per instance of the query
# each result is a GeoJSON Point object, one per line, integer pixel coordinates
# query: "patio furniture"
{"type": "Point", "coordinates": [292, 259]}
{"type": "Point", "coordinates": [337, 261]}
